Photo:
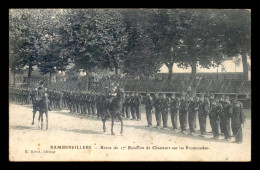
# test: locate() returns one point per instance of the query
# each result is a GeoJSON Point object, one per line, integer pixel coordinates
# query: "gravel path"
{"type": "Point", "coordinates": [73, 137]}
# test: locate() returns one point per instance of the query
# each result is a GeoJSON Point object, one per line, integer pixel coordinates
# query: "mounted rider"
{"type": "Point", "coordinates": [41, 92]}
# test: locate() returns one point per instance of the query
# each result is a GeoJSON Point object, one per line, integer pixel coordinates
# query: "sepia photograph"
{"type": "Point", "coordinates": [129, 84]}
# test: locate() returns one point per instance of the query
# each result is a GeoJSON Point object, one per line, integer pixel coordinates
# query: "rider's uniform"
{"type": "Point", "coordinates": [40, 93]}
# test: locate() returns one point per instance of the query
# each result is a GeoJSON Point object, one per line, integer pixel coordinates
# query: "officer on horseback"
{"type": "Point", "coordinates": [41, 92]}
{"type": "Point", "coordinates": [41, 104]}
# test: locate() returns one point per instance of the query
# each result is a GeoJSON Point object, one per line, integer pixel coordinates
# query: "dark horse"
{"type": "Point", "coordinates": [114, 107]}
{"type": "Point", "coordinates": [40, 105]}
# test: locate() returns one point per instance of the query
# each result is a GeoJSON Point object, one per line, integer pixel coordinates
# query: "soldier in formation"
{"type": "Point", "coordinates": [157, 105]}
{"type": "Point", "coordinates": [127, 105]}
{"type": "Point", "coordinates": [183, 117]}
{"type": "Point", "coordinates": [225, 116]}
{"type": "Point", "coordinates": [203, 110]}
{"type": "Point", "coordinates": [174, 111]}
{"type": "Point", "coordinates": [164, 110]}
{"type": "Point", "coordinates": [237, 120]}
{"type": "Point", "coordinates": [132, 106]}
{"type": "Point", "coordinates": [148, 109]}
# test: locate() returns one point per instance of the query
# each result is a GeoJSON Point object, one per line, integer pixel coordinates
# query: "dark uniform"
{"type": "Point", "coordinates": [123, 107]}
{"type": "Point", "coordinates": [132, 107]}
{"type": "Point", "coordinates": [92, 104]}
{"type": "Point", "coordinates": [184, 104]}
{"type": "Point", "coordinates": [215, 110]}
{"type": "Point", "coordinates": [137, 103]}
{"type": "Point", "coordinates": [73, 101]}
{"type": "Point", "coordinates": [165, 110]}
{"type": "Point", "coordinates": [174, 110]}
{"type": "Point", "coordinates": [98, 104]}
{"type": "Point", "coordinates": [227, 113]}
{"type": "Point", "coordinates": [127, 105]}
{"type": "Point", "coordinates": [157, 105]}
{"type": "Point", "coordinates": [148, 109]}
{"type": "Point", "coordinates": [70, 101]}
{"type": "Point", "coordinates": [222, 118]}
{"type": "Point", "coordinates": [204, 105]}
{"type": "Point", "coordinates": [192, 112]}
{"type": "Point", "coordinates": [88, 101]}
{"type": "Point", "coordinates": [60, 97]}
{"type": "Point", "coordinates": [237, 120]}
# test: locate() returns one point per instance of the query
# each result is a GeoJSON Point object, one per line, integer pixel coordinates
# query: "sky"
{"type": "Point", "coordinates": [228, 64]}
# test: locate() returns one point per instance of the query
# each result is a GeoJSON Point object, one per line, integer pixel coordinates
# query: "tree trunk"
{"type": "Point", "coordinates": [87, 82]}
{"type": "Point", "coordinates": [193, 78]}
{"type": "Point", "coordinates": [29, 75]}
{"type": "Point", "coordinates": [245, 66]}
{"type": "Point", "coordinates": [14, 83]}
{"type": "Point", "coordinates": [169, 65]}
{"type": "Point", "coordinates": [50, 80]}
{"type": "Point", "coordinates": [116, 71]}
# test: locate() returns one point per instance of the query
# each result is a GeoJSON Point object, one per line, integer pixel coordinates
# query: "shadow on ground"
{"type": "Point", "coordinates": [83, 131]}
{"type": "Point", "coordinates": [24, 127]}
{"type": "Point", "coordinates": [83, 116]}
{"type": "Point", "coordinates": [208, 136]}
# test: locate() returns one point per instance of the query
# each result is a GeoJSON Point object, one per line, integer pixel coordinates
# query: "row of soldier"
{"type": "Point", "coordinates": [20, 95]}
{"type": "Point", "coordinates": [184, 109]}
{"type": "Point", "coordinates": [226, 116]}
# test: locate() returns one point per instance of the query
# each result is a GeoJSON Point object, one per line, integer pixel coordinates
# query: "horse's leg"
{"type": "Point", "coordinates": [104, 118]}
{"type": "Point", "coordinates": [104, 125]}
{"type": "Point", "coordinates": [112, 123]}
{"type": "Point", "coordinates": [46, 119]}
{"type": "Point", "coordinates": [34, 112]}
{"type": "Point", "coordinates": [41, 119]}
{"type": "Point", "coordinates": [121, 120]}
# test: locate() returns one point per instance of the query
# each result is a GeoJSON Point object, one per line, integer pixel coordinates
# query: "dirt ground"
{"type": "Point", "coordinates": [73, 137]}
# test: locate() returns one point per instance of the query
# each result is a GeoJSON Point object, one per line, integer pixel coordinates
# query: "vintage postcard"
{"type": "Point", "coordinates": [130, 85]}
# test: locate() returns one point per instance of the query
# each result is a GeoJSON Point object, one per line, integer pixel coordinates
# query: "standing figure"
{"type": "Point", "coordinates": [60, 97]}
{"type": "Point", "coordinates": [237, 120]}
{"type": "Point", "coordinates": [127, 105]}
{"type": "Point", "coordinates": [148, 109]}
{"type": "Point", "coordinates": [211, 100]}
{"type": "Point", "coordinates": [157, 104]}
{"type": "Point", "coordinates": [174, 110]}
{"type": "Point", "coordinates": [88, 101]}
{"type": "Point", "coordinates": [137, 103]}
{"type": "Point", "coordinates": [221, 116]}
{"type": "Point", "coordinates": [92, 103]}
{"type": "Point", "coordinates": [98, 105]}
{"type": "Point", "coordinates": [132, 106]}
{"type": "Point", "coordinates": [123, 110]}
{"type": "Point", "coordinates": [215, 110]}
{"type": "Point", "coordinates": [227, 113]}
{"type": "Point", "coordinates": [184, 105]}
{"type": "Point", "coordinates": [164, 110]}
{"type": "Point", "coordinates": [204, 105]}
{"type": "Point", "coordinates": [192, 112]}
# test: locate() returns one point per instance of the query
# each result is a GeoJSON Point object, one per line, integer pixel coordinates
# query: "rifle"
{"type": "Point", "coordinates": [188, 88]}
{"type": "Point", "coordinates": [208, 85]}
{"type": "Point", "coordinates": [217, 95]}
{"type": "Point", "coordinates": [220, 89]}
{"type": "Point", "coordinates": [162, 85]}
{"type": "Point", "coordinates": [195, 94]}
